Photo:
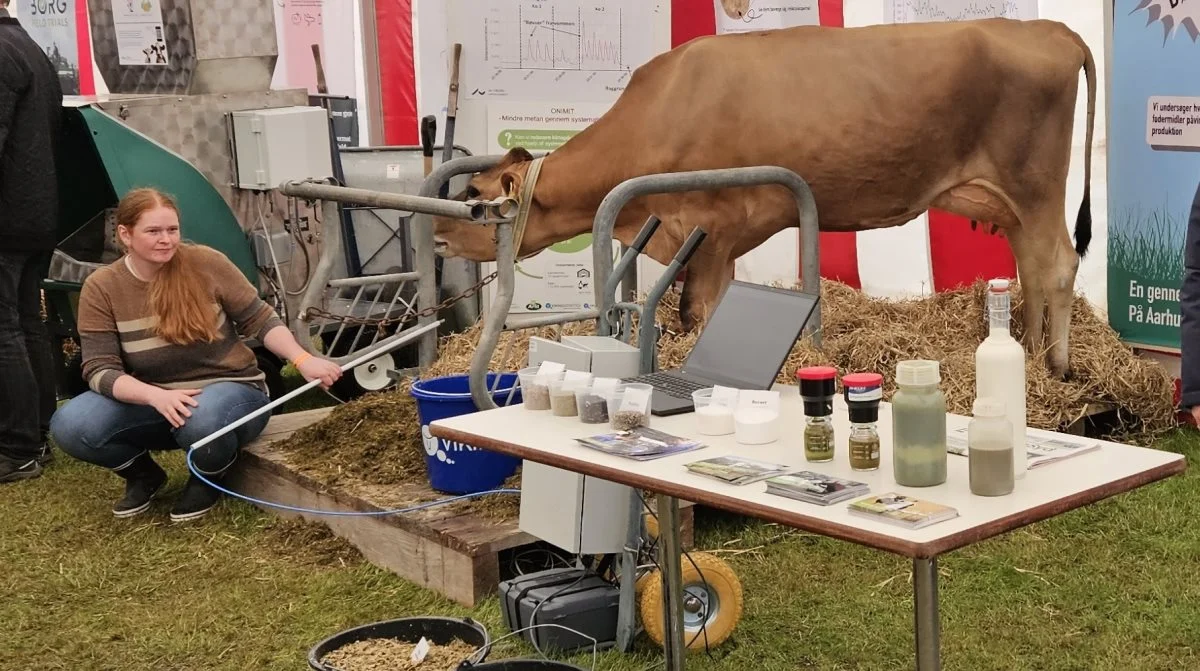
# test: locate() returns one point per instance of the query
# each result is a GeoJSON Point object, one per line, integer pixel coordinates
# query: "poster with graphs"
{"type": "Point", "coordinates": [920, 11]}
{"type": "Point", "coordinates": [1153, 164]}
{"type": "Point", "coordinates": [557, 49]}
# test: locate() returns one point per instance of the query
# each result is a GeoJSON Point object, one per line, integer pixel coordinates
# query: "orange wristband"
{"type": "Point", "coordinates": [301, 359]}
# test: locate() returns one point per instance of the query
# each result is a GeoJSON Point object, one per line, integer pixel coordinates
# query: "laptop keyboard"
{"type": "Point", "coordinates": [673, 385]}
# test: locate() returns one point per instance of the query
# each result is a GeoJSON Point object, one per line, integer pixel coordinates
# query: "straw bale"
{"type": "Point", "coordinates": [376, 439]}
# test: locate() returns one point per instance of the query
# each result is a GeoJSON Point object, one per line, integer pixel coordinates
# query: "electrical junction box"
{"type": "Point", "coordinates": [578, 513]}
{"type": "Point", "coordinates": [602, 356]}
{"type": "Point", "coordinates": [272, 146]}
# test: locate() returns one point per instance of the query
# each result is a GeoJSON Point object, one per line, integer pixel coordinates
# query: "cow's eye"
{"type": "Point", "coordinates": [472, 192]}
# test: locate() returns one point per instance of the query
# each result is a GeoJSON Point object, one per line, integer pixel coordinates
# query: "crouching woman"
{"type": "Point", "coordinates": [159, 330]}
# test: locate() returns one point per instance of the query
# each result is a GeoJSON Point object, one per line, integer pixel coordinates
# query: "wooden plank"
{"type": "Point", "coordinates": [423, 561]}
{"type": "Point", "coordinates": [450, 551]}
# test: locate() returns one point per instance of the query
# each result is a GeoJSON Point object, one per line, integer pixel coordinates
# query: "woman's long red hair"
{"type": "Point", "coordinates": [179, 295]}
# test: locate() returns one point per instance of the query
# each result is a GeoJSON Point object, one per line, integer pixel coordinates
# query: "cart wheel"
{"type": "Point", "coordinates": [712, 604]}
{"type": "Point", "coordinates": [640, 586]}
{"type": "Point", "coordinates": [651, 525]}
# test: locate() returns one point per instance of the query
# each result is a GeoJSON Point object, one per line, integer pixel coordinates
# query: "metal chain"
{"type": "Point", "coordinates": [384, 322]}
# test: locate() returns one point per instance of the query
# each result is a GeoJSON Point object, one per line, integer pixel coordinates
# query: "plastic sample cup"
{"type": "Point", "coordinates": [535, 393]}
{"type": "Point", "coordinates": [712, 419]}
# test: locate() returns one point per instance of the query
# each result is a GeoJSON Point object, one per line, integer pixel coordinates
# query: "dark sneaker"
{"type": "Point", "coordinates": [143, 479]}
{"type": "Point", "coordinates": [195, 501]}
{"type": "Point", "coordinates": [12, 471]}
{"type": "Point", "coordinates": [47, 456]}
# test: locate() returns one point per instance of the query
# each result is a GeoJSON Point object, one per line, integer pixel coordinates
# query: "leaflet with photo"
{"type": "Point", "coordinates": [736, 470]}
{"type": "Point", "coordinates": [813, 487]}
{"type": "Point", "coordinates": [641, 443]}
{"type": "Point", "coordinates": [902, 510]}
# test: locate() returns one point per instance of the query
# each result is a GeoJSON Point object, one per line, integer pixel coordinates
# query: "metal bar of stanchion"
{"type": "Point", "coordinates": [370, 354]}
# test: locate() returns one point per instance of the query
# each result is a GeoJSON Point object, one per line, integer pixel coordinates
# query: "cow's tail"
{"type": "Point", "coordinates": [1083, 223]}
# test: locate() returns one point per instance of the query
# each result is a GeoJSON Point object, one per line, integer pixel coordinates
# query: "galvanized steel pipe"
{"type": "Point", "coordinates": [472, 211]}
{"type": "Point", "coordinates": [705, 180]}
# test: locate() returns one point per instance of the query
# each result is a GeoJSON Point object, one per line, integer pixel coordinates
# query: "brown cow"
{"type": "Point", "coordinates": [883, 122]}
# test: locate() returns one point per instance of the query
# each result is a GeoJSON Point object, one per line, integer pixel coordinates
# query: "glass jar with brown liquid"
{"type": "Point", "coordinates": [863, 391]}
{"type": "Point", "coordinates": [817, 387]}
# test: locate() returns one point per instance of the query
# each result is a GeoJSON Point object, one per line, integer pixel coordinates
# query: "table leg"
{"type": "Point", "coordinates": [627, 605]}
{"type": "Point", "coordinates": [925, 598]}
{"type": "Point", "coordinates": [672, 574]}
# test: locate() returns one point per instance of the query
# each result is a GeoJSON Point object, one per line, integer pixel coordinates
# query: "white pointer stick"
{"type": "Point", "coordinates": [406, 337]}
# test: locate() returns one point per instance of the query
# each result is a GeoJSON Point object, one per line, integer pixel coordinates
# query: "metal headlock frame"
{"type": "Point", "coordinates": [607, 279]}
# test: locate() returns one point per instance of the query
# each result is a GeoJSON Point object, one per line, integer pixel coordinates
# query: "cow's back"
{"type": "Point", "coordinates": [880, 114]}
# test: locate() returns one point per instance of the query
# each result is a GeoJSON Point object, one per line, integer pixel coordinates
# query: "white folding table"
{"type": "Point", "coordinates": [1044, 492]}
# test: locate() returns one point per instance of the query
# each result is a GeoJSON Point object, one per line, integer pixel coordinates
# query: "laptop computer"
{"type": "Point", "coordinates": [743, 345]}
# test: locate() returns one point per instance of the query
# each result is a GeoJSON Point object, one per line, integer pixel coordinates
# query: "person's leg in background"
{"type": "Point", "coordinates": [219, 405]}
{"type": "Point", "coordinates": [117, 436]}
{"type": "Point", "coordinates": [21, 439]}
{"type": "Point", "coordinates": [37, 345]}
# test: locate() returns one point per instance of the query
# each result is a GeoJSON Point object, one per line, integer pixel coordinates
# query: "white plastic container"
{"type": "Point", "coordinates": [629, 406]}
{"type": "Point", "coordinates": [535, 384]}
{"type": "Point", "coordinates": [714, 410]}
{"type": "Point", "coordinates": [756, 420]}
{"type": "Point", "coordinates": [1000, 369]}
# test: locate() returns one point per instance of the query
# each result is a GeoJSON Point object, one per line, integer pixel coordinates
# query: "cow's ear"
{"type": "Point", "coordinates": [514, 156]}
{"type": "Point", "coordinates": [510, 182]}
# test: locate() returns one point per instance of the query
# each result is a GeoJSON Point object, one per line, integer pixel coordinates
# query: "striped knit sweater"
{"type": "Point", "coordinates": [115, 330]}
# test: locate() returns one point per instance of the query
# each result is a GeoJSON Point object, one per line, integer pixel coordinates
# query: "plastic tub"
{"type": "Point", "coordinates": [711, 419]}
{"type": "Point", "coordinates": [458, 468]}
{"type": "Point", "coordinates": [535, 395]}
{"type": "Point", "coordinates": [626, 420]}
{"type": "Point", "coordinates": [438, 630]}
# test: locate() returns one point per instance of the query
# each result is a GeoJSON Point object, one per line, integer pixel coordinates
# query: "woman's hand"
{"type": "Point", "coordinates": [314, 367]}
{"type": "Point", "coordinates": [173, 404]}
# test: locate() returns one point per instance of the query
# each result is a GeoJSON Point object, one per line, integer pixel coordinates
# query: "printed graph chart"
{"type": "Point", "coordinates": [570, 47]}
{"type": "Point", "coordinates": [917, 11]}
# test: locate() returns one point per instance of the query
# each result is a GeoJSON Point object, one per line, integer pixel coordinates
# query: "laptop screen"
{"type": "Point", "coordinates": [750, 334]}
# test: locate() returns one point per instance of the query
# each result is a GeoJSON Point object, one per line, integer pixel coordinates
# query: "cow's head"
{"type": "Point", "coordinates": [477, 242]}
{"type": "Point", "coordinates": [736, 9]}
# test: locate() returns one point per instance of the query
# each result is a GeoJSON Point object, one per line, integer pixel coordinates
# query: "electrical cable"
{"type": "Point", "coordinates": [396, 511]}
{"type": "Point", "coordinates": [516, 632]}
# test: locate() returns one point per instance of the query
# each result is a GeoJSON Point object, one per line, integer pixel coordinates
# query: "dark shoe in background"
{"type": "Point", "coordinates": [12, 470]}
{"type": "Point", "coordinates": [143, 479]}
{"type": "Point", "coordinates": [196, 500]}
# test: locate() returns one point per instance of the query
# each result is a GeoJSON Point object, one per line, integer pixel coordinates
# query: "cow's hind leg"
{"type": "Point", "coordinates": [1047, 265]}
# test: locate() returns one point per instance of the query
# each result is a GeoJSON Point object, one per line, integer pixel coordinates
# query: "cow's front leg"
{"type": "Point", "coordinates": [707, 277]}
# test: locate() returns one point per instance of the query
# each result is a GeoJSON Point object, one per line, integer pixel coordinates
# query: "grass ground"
{"type": "Point", "coordinates": [1111, 586]}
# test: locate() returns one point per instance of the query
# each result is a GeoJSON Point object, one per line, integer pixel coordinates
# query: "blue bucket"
{"type": "Point", "coordinates": [454, 467]}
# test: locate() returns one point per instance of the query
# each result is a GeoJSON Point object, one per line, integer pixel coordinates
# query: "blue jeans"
{"type": "Point", "coordinates": [106, 432]}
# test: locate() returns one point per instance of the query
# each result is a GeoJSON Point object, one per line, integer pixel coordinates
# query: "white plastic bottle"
{"type": "Point", "coordinates": [1000, 369]}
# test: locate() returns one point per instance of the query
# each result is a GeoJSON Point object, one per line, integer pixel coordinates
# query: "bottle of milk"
{"type": "Point", "coordinates": [1000, 369]}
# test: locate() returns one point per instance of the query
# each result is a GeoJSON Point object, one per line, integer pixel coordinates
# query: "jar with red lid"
{"type": "Point", "coordinates": [863, 391]}
{"type": "Point", "coordinates": [818, 384]}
